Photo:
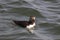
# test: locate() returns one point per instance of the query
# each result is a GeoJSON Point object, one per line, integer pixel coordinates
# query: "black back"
{"type": "Point", "coordinates": [21, 23]}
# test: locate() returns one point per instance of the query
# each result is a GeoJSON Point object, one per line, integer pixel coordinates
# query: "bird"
{"type": "Point", "coordinates": [29, 25]}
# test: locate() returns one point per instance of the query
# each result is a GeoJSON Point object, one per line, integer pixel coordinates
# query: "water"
{"type": "Point", "coordinates": [47, 14]}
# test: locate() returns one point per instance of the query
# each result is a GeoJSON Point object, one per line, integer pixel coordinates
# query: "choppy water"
{"type": "Point", "coordinates": [47, 14]}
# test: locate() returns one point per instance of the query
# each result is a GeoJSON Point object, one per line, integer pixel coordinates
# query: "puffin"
{"type": "Point", "coordinates": [29, 25]}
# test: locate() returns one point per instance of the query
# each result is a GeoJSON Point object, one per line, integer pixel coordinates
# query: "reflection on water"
{"type": "Point", "coordinates": [47, 14]}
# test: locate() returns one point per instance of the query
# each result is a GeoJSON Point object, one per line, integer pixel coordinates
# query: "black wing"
{"type": "Point", "coordinates": [21, 23]}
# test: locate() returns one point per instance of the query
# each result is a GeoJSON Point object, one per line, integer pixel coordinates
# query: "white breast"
{"type": "Point", "coordinates": [30, 26]}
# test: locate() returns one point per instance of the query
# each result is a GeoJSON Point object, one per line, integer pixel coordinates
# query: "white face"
{"type": "Point", "coordinates": [34, 18]}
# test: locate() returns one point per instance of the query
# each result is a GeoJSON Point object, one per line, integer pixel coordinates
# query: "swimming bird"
{"type": "Point", "coordinates": [29, 25]}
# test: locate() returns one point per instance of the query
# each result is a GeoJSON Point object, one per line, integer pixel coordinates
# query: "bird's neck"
{"type": "Point", "coordinates": [31, 21]}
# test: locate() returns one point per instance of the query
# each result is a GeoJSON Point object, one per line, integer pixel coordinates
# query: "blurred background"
{"type": "Point", "coordinates": [47, 13]}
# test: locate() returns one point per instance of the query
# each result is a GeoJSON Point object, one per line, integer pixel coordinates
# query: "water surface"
{"type": "Point", "coordinates": [47, 14]}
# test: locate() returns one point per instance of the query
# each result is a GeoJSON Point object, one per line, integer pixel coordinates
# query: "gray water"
{"type": "Point", "coordinates": [47, 14]}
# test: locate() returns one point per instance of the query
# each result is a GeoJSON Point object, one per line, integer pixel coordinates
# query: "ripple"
{"type": "Point", "coordinates": [47, 19]}
{"type": "Point", "coordinates": [27, 11]}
